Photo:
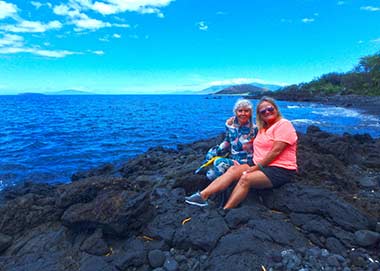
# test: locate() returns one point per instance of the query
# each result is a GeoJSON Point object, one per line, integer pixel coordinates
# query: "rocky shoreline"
{"type": "Point", "coordinates": [134, 217]}
{"type": "Point", "coordinates": [366, 104]}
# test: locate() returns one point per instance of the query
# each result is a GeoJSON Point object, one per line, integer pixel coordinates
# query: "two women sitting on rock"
{"type": "Point", "coordinates": [274, 159]}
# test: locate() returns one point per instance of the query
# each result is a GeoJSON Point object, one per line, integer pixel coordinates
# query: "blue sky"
{"type": "Point", "coordinates": [160, 46]}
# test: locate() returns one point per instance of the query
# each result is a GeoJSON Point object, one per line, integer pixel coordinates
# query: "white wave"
{"type": "Point", "coordinates": [337, 111]}
{"type": "Point", "coordinates": [371, 118]}
{"type": "Point", "coordinates": [373, 125]}
{"type": "Point", "coordinates": [293, 106]}
{"type": "Point", "coordinates": [305, 121]}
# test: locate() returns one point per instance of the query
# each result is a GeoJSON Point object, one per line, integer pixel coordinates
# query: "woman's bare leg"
{"type": "Point", "coordinates": [223, 182]}
{"type": "Point", "coordinates": [255, 179]}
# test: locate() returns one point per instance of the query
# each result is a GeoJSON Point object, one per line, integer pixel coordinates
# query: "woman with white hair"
{"type": "Point", "coordinates": [236, 147]}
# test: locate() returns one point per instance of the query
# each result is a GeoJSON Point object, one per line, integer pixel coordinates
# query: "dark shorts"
{"type": "Point", "coordinates": [278, 176]}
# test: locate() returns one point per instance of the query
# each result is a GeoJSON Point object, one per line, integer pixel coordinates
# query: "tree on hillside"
{"type": "Point", "coordinates": [369, 67]}
{"type": "Point", "coordinates": [368, 64]}
{"type": "Point", "coordinates": [364, 79]}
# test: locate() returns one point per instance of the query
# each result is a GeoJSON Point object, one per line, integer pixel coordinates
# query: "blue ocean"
{"type": "Point", "coordinates": [48, 138]}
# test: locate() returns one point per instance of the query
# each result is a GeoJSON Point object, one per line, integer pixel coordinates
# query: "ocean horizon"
{"type": "Point", "coordinates": [48, 138]}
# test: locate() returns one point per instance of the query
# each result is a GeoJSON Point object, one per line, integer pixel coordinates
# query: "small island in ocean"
{"type": "Point", "coordinates": [70, 92]}
{"type": "Point", "coordinates": [60, 92]}
{"type": "Point", "coordinates": [31, 94]}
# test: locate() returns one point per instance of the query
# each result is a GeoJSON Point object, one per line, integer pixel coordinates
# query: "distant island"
{"type": "Point", "coordinates": [244, 89]}
{"type": "Point", "coordinates": [61, 92]}
{"type": "Point", "coordinates": [239, 89]}
{"type": "Point", "coordinates": [31, 94]}
{"type": "Point", "coordinates": [70, 92]}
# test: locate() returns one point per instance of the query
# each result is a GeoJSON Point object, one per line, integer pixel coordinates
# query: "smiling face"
{"type": "Point", "coordinates": [268, 112]}
{"type": "Point", "coordinates": [243, 115]}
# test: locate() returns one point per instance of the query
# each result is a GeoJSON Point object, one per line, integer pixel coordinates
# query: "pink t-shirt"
{"type": "Point", "coordinates": [283, 131]}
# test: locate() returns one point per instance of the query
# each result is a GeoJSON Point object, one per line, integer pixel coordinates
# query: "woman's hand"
{"type": "Point", "coordinates": [236, 163]}
{"type": "Point", "coordinates": [249, 170]}
{"type": "Point", "coordinates": [230, 121]}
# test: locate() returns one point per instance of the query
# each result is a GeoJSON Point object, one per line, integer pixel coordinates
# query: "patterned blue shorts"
{"type": "Point", "coordinates": [219, 167]}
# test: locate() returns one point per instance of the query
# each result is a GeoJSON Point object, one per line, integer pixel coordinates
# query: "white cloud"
{"type": "Point", "coordinates": [308, 20]}
{"type": "Point", "coordinates": [239, 81]}
{"type": "Point", "coordinates": [340, 3]}
{"type": "Point", "coordinates": [121, 25]}
{"type": "Point", "coordinates": [236, 81]}
{"type": "Point", "coordinates": [199, 82]}
{"type": "Point", "coordinates": [13, 44]}
{"type": "Point", "coordinates": [36, 4]}
{"type": "Point", "coordinates": [202, 26]}
{"type": "Point", "coordinates": [151, 10]}
{"type": "Point", "coordinates": [65, 10]}
{"type": "Point", "coordinates": [107, 7]}
{"type": "Point", "coordinates": [11, 40]}
{"type": "Point", "coordinates": [61, 10]}
{"type": "Point", "coordinates": [221, 13]}
{"type": "Point", "coordinates": [50, 53]}
{"type": "Point", "coordinates": [18, 47]}
{"type": "Point", "coordinates": [116, 36]}
{"type": "Point", "coordinates": [88, 23]}
{"type": "Point", "coordinates": [47, 53]}
{"type": "Point", "coordinates": [370, 8]}
{"type": "Point", "coordinates": [7, 10]}
{"type": "Point", "coordinates": [31, 27]}
{"type": "Point", "coordinates": [81, 20]}
{"type": "Point", "coordinates": [98, 52]}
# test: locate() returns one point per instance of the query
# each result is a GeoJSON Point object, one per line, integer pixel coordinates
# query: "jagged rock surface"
{"type": "Point", "coordinates": [134, 217]}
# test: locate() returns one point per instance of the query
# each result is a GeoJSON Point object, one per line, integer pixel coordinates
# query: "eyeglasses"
{"type": "Point", "coordinates": [269, 109]}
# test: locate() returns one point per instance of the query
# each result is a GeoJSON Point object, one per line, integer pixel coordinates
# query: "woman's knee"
{"type": "Point", "coordinates": [244, 182]}
{"type": "Point", "coordinates": [238, 168]}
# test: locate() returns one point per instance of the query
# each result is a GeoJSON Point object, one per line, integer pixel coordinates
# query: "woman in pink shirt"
{"type": "Point", "coordinates": [274, 152]}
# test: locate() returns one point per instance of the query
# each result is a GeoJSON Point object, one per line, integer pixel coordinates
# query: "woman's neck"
{"type": "Point", "coordinates": [270, 123]}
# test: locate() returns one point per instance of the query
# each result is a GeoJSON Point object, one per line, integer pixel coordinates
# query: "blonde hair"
{"type": "Point", "coordinates": [259, 122]}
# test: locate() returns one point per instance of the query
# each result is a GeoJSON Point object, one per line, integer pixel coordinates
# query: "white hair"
{"type": "Point", "coordinates": [242, 103]}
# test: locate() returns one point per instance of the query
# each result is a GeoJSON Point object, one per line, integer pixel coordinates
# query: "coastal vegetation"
{"type": "Point", "coordinates": [363, 79]}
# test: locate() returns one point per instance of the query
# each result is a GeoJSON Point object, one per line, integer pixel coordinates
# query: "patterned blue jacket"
{"type": "Point", "coordinates": [237, 144]}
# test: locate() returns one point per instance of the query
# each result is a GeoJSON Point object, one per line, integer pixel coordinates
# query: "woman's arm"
{"type": "Point", "coordinates": [277, 148]}
{"type": "Point", "coordinates": [225, 146]}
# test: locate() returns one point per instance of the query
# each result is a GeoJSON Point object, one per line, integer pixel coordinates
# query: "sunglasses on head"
{"type": "Point", "coordinates": [269, 109]}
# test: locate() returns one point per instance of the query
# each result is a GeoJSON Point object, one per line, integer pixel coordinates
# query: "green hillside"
{"type": "Point", "coordinates": [246, 89]}
{"type": "Point", "coordinates": [363, 79]}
